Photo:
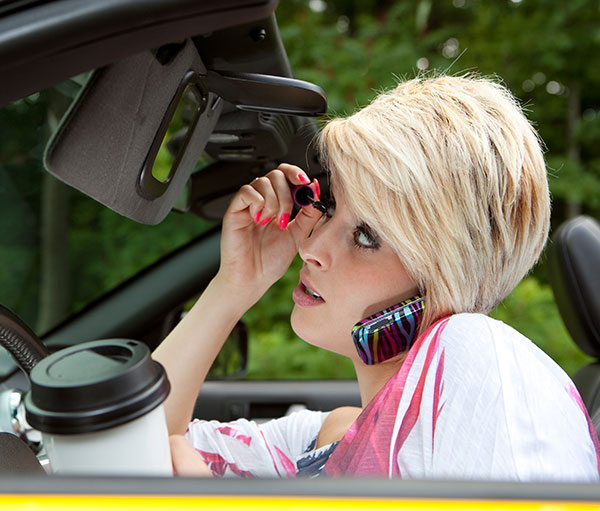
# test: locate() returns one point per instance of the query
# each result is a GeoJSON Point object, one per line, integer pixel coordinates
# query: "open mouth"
{"type": "Point", "coordinates": [309, 292]}
{"type": "Point", "coordinates": [306, 296]}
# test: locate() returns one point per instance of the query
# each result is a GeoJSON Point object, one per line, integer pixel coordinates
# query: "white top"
{"type": "Point", "coordinates": [474, 399]}
{"type": "Point", "coordinates": [282, 447]}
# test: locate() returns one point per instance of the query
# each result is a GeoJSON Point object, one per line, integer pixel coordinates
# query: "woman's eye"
{"type": "Point", "coordinates": [364, 239]}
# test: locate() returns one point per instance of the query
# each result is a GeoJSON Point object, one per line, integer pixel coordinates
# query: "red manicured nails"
{"type": "Point", "coordinates": [317, 188]}
{"type": "Point", "coordinates": [303, 178]}
{"type": "Point", "coordinates": [265, 221]}
{"type": "Point", "coordinates": [283, 220]}
{"type": "Point", "coordinates": [257, 217]}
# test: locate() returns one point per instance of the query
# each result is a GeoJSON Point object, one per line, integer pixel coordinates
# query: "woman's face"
{"type": "Point", "coordinates": [348, 274]}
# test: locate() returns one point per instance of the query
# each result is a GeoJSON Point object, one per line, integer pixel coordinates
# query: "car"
{"type": "Point", "coordinates": [126, 127]}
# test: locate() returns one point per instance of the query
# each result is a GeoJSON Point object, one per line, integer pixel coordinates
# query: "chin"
{"type": "Point", "coordinates": [316, 335]}
{"type": "Point", "coordinates": [301, 328]}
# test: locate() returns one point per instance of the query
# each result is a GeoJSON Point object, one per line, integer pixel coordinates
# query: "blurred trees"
{"type": "Point", "coordinates": [61, 250]}
{"type": "Point", "coordinates": [546, 51]}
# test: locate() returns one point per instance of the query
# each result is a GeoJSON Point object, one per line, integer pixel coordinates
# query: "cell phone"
{"type": "Point", "coordinates": [389, 332]}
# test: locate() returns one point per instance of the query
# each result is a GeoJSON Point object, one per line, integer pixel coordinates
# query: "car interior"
{"type": "Point", "coordinates": [574, 259]}
{"type": "Point", "coordinates": [205, 89]}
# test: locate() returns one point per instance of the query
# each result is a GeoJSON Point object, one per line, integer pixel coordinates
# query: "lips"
{"type": "Point", "coordinates": [306, 295]}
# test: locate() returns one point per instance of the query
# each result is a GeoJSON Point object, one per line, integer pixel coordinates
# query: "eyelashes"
{"type": "Point", "coordinates": [329, 203]}
{"type": "Point", "coordinates": [363, 236]}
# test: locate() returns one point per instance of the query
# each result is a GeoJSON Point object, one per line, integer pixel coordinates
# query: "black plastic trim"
{"type": "Point", "coordinates": [50, 42]}
{"type": "Point", "coordinates": [149, 186]}
{"type": "Point", "coordinates": [230, 400]}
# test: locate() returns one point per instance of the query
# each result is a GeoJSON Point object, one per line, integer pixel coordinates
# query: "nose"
{"type": "Point", "coordinates": [316, 249]}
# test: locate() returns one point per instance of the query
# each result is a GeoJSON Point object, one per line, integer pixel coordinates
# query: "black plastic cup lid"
{"type": "Point", "coordinates": [94, 386]}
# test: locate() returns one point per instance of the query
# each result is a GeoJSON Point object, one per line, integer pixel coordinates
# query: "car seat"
{"type": "Point", "coordinates": [574, 270]}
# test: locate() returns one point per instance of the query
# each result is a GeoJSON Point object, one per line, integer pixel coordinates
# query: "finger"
{"type": "Point", "coordinates": [304, 223]}
{"type": "Point", "coordinates": [281, 185]}
{"type": "Point", "coordinates": [249, 199]}
{"type": "Point", "coordinates": [294, 174]}
{"type": "Point", "coordinates": [317, 188]}
{"type": "Point", "coordinates": [270, 209]}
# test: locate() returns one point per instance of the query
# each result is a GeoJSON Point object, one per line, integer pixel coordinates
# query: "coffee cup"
{"type": "Point", "coordinates": [99, 408]}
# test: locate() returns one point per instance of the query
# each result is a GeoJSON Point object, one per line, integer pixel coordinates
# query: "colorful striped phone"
{"type": "Point", "coordinates": [389, 332]}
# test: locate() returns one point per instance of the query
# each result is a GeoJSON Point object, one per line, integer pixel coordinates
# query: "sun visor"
{"type": "Point", "coordinates": [134, 134]}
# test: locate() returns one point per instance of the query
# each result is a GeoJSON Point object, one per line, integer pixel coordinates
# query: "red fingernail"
{"type": "Point", "coordinates": [303, 178]}
{"type": "Point", "coordinates": [265, 221]}
{"type": "Point", "coordinates": [283, 220]}
{"type": "Point", "coordinates": [257, 217]}
{"type": "Point", "coordinates": [317, 188]}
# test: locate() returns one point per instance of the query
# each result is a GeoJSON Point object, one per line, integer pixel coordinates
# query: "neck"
{"type": "Point", "coordinates": [371, 379]}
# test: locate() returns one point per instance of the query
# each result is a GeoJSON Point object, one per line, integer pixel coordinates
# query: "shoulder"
{"type": "Point", "coordinates": [497, 388]}
{"type": "Point", "coordinates": [478, 335]}
{"type": "Point", "coordinates": [487, 356]}
{"type": "Point", "coordinates": [479, 328]}
{"type": "Point", "coordinates": [336, 424]}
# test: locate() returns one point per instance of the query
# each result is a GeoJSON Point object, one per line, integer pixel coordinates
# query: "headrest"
{"type": "Point", "coordinates": [574, 262]}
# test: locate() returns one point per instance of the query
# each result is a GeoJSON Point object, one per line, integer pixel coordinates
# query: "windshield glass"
{"type": "Point", "coordinates": [60, 249]}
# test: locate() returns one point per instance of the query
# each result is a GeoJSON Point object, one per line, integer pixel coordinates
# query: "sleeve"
{"type": "Point", "coordinates": [248, 449]}
{"type": "Point", "coordinates": [505, 410]}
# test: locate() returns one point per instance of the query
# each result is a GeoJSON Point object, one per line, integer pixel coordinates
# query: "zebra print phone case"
{"type": "Point", "coordinates": [389, 332]}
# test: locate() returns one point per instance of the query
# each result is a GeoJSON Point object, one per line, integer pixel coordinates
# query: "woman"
{"type": "Point", "coordinates": [439, 190]}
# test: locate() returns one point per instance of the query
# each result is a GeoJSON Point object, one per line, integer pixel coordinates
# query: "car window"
{"type": "Point", "coordinates": [60, 249]}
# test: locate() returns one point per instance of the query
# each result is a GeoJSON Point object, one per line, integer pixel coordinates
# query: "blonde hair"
{"type": "Point", "coordinates": [449, 171]}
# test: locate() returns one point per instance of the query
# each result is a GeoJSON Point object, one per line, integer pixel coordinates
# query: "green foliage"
{"type": "Point", "coordinates": [351, 53]}
{"type": "Point", "coordinates": [531, 310]}
{"type": "Point", "coordinates": [275, 352]}
{"type": "Point", "coordinates": [108, 248]}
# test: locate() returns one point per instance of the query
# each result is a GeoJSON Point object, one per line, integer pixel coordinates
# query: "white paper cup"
{"type": "Point", "coordinates": [99, 407]}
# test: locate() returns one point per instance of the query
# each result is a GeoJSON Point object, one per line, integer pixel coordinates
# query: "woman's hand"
{"type": "Point", "coordinates": [258, 244]}
{"type": "Point", "coordinates": [254, 254]}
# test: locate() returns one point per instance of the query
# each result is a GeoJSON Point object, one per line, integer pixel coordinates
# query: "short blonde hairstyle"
{"type": "Point", "coordinates": [449, 171]}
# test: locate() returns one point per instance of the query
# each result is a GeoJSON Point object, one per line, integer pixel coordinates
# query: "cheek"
{"type": "Point", "coordinates": [377, 288]}
{"type": "Point", "coordinates": [366, 288]}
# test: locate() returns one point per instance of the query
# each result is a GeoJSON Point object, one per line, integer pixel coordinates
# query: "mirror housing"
{"type": "Point", "coordinates": [129, 117]}
{"type": "Point", "coordinates": [110, 136]}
